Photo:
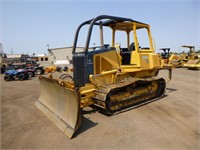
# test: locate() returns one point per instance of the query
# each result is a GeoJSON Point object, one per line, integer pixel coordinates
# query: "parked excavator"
{"type": "Point", "coordinates": [111, 78]}
{"type": "Point", "coordinates": [193, 62]}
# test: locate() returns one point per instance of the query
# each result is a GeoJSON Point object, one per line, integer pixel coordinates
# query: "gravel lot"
{"type": "Point", "coordinates": [172, 122]}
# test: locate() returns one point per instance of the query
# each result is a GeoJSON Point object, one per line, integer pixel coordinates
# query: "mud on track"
{"type": "Point", "coordinates": [170, 123]}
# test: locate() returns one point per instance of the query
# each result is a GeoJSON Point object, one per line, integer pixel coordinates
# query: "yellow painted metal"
{"type": "Point", "coordinates": [195, 61]}
{"type": "Point", "coordinates": [142, 61]}
{"type": "Point", "coordinates": [193, 58]}
{"type": "Point", "coordinates": [106, 77]}
{"type": "Point", "coordinates": [193, 64]}
{"type": "Point", "coordinates": [106, 61]}
{"type": "Point", "coordinates": [87, 91]}
{"type": "Point", "coordinates": [175, 60]}
{"type": "Point", "coordinates": [50, 69]}
{"type": "Point", "coordinates": [58, 102]}
{"type": "Point", "coordinates": [62, 104]}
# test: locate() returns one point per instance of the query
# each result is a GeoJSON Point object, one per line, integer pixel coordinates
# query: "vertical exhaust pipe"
{"type": "Point", "coordinates": [101, 33]}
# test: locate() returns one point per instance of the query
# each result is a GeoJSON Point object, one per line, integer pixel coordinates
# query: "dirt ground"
{"type": "Point", "coordinates": [172, 122]}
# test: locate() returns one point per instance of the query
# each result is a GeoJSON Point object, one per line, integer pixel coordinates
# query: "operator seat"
{"type": "Point", "coordinates": [126, 56]}
{"type": "Point", "coordinates": [131, 47]}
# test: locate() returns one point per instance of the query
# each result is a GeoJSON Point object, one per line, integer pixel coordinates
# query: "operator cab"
{"type": "Point", "coordinates": [133, 32]}
{"type": "Point", "coordinates": [128, 56]}
{"type": "Point", "coordinates": [165, 53]}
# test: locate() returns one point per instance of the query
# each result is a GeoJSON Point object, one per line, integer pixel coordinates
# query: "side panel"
{"type": "Point", "coordinates": [145, 60]}
{"type": "Point", "coordinates": [106, 61]}
{"type": "Point", "coordinates": [155, 61]}
{"type": "Point", "coordinates": [93, 62]}
{"type": "Point", "coordinates": [150, 61]}
{"type": "Point", "coordinates": [135, 59]}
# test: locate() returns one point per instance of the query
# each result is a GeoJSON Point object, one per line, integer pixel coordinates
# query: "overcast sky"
{"type": "Point", "coordinates": [27, 26]}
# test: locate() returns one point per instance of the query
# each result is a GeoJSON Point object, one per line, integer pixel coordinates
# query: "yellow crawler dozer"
{"type": "Point", "coordinates": [112, 78]}
{"type": "Point", "coordinates": [174, 60]}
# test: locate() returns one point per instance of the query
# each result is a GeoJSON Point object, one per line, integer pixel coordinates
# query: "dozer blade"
{"type": "Point", "coordinates": [60, 104]}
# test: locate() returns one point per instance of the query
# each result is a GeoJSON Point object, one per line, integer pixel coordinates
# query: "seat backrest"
{"type": "Point", "coordinates": [131, 47]}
